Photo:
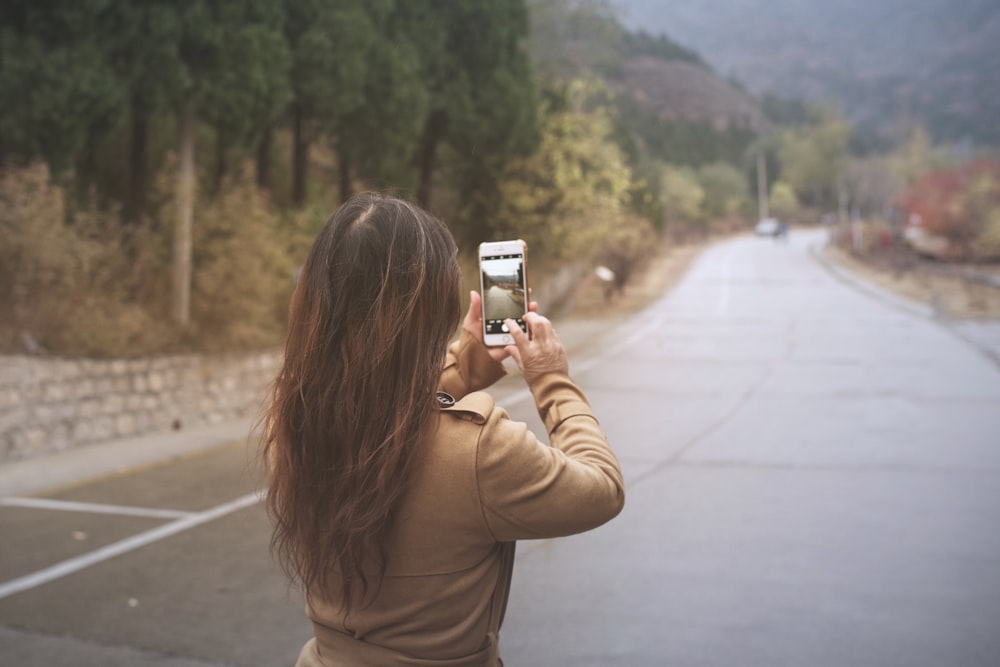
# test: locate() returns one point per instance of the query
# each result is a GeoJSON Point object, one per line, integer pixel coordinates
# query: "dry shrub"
{"type": "Point", "coordinates": [77, 283]}
{"type": "Point", "coordinates": [63, 274]}
{"type": "Point", "coordinates": [626, 249]}
{"type": "Point", "coordinates": [39, 252]}
{"type": "Point", "coordinates": [245, 258]}
{"type": "Point", "coordinates": [986, 247]}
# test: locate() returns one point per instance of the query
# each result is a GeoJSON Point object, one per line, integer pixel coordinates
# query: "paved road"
{"type": "Point", "coordinates": [500, 303]}
{"type": "Point", "coordinates": [813, 479]}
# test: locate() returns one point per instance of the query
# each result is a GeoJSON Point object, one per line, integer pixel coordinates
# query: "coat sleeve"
{"type": "Point", "coordinates": [530, 490]}
{"type": "Point", "coordinates": [468, 367]}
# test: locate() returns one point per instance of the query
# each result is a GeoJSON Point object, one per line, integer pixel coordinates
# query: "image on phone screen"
{"type": "Point", "coordinates": [503, 291]}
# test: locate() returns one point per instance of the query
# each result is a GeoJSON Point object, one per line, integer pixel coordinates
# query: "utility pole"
{"type": "Point", "coordinates": [762, 185]}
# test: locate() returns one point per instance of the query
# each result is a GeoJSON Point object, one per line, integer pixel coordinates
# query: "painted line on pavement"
{"type": "Point", "coordinates": [124, 546]}
{"type": "Point", "coordinates": [94, 508]}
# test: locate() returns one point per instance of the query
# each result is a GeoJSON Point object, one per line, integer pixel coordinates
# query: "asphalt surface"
{"type": "Point", "coordinates": [501, 304]}
{"type": "Point", "coordinates": [813, 473]}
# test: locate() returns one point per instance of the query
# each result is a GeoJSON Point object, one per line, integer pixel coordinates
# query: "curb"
{"type": "Point", "coordinates": [852, 279]}
{"type": "Point", "coordinates": [909, 306]}
{"type": "Point", "coordinates": [49, 472]}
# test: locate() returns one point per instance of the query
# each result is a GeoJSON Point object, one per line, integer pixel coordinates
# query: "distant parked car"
{"type": "Point", "coordinates": [768, 227]}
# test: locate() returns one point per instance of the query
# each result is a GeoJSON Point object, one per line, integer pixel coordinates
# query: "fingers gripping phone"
{"type": "Point", "coordinates": [503, 284]}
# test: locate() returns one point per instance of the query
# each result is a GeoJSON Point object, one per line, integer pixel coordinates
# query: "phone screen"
{"type": "Point", "coordinates": [503, 291]}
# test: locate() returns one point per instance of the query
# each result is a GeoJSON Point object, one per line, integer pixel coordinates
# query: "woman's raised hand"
{"type": "Point", "coordinates": [473, 323]}
{"type": "Point", "coordinates": [540, 353]}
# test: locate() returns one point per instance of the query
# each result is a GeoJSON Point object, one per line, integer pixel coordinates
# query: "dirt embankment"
{"type": "Point", "coordinates": [948, 289]}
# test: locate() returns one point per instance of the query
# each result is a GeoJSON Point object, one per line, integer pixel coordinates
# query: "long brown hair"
{"type": "Point", "coordinates": [369, 323]}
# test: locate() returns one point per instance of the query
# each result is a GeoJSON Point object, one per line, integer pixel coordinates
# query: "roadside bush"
{"type": "Point", "coordinates": [573, 193]}
{"type": "Point", "coordinates": [39, 252]}
{"type": "Point", "coordinates": [627, 249]}
{"type": "Point", "coordinates": [683, 200]}
{"type": "Point", "coordinates": [244, 269]}
{"type": "Point", "coordinates": [783, 201]}
{"type": "Point", "coordinates": [986, 247]}
{"type": "Point", "coordinates": [725, 190]}
{"type": "Point", "coordinates": [78, 283]}
{"type": "Point", "coordinates": [64, 276]}
{"type": "Point", "coordinates": [959, 204]}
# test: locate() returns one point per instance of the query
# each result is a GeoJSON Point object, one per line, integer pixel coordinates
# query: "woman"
{"type": "Point", "coordinates": [397, 489]}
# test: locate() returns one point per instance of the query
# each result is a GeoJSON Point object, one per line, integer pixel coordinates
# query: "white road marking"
{"type": "Point", "coordinates": [124, 546]}
{"type": "Point", "coordinates": [94, 508]}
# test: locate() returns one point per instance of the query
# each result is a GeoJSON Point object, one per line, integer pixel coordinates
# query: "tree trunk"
{"type": "Point", "coordinates": [185, 215]}
{"type": "Point", "coordinates": [220, 161]}
{"type": "Point", "coordinates": [264, 160]}
{"type": "Point", "coordinates": [434, 130]}
{"type": "Point", "coordinates": [300, 156]}
{"type": "Point", "coordinates": [135, 198]}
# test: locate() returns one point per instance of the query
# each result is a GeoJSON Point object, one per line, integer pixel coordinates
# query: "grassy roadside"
{"type": "Point", "coordinates": [653, 279]}
{"type": "Point", "coordinates": [916, 279]}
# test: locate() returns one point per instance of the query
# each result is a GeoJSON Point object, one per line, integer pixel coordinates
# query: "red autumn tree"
{"type": "Point", "coordinates": [957, 202]}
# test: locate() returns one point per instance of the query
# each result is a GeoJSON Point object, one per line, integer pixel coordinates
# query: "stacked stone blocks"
{"type": "Point", "coordinates": [48, 405]}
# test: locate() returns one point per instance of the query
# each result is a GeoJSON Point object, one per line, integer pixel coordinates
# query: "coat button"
{"type": "Point", "coordinates": [445, 400]}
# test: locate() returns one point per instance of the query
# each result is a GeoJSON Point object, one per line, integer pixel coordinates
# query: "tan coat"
{"type": "Point", "coordinates": [486, 481]}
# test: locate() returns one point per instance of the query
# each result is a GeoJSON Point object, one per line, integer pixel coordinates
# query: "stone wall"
{"type": "Point", "coordinates": [47, 405]}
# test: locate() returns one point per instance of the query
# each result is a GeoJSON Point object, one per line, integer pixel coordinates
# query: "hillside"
{"type": "Point", "coordinates": [656, 80]}
{"type": "Point", "coordinates": [678, 90]}
{"type": "Point", "coordinates": [888, 64]}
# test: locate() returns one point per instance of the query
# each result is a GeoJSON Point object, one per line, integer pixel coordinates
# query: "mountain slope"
{"type": "Point", "coordinates": [678, 90]}
{"type": "Point", "coordinates": [654, 76]}
{"type": "Point", "coordinates": [889, 64]}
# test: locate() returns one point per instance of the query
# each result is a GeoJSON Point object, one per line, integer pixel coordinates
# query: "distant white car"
{"type": "Point", "coordinates": [768, 227]}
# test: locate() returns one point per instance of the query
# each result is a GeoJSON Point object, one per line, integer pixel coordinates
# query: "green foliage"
{"type": "Point", "coordinates": [782, 111]}
{"type": "Point", "coordinates": [628, 245]}
{"type": "Point", "coordinates": [237, 61]}
{"type": "Point", "coordinates": [144, 38]}
{"type": "Point", "coordinates": [645, 193]}
{"type": "Point", "coordinates": [482, 100]}
{"type": "Point", "coordinates": [572, 195]}
{"type": "Point", "coordinates": [783, 201]}
{"type": "Point", "coordinates": [814, 160]}
{"type": "Point", "coordinates": [402, 95]}
{"type": "Point", "coordinates": [683, 200]}
{"type": "Point", "coordinates": [725, 190]}
{"type": "Point", "coordinates": [917, 157]}
{"type": "Point", "coordinates": [379, 136]}
{"type": "Point", "coordinates": [57, 85]}
{"type": "Point", "coordinates": [680, 141]}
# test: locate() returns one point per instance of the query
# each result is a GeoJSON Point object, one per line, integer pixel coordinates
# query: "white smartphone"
{"type": "Point", "coordinates": [503, 284]}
